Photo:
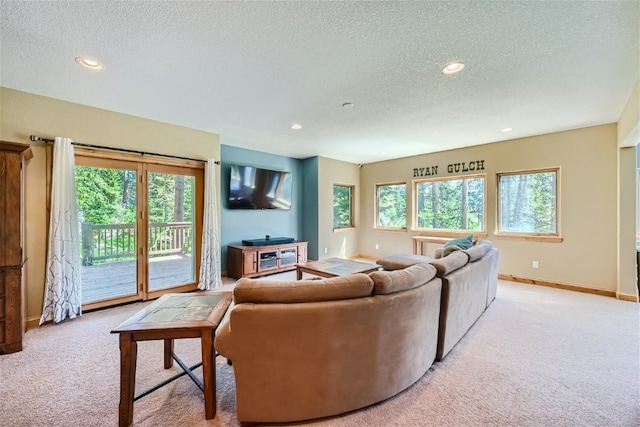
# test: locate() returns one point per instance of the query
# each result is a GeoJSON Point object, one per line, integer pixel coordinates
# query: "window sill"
{"type": "Point", "coordinates": [530, 238]}
{"type": "Point", "coordinates": [399, 229]}
{"type": "Point", "coordinates": [453, 234]}
{"type": "Point", "coordinates": [339, 229]}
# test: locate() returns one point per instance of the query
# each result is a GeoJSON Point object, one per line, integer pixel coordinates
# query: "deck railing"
{"type": "Point", "coordinates": [115, 242]}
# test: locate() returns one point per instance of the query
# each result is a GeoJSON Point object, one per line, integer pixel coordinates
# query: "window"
{"type": "Point", "coordinates": [391, 206]}
{"type": "Point", "coordinates": [528, 202]}
{"type": "Point", "coordinates": [450, 204]}
{"type": "Point", "coordinates": [342, 206]}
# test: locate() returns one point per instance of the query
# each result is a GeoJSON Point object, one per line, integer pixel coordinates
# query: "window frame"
{"type": "Point", "coordinates": [520, 235]}
{"type": "Point", "coordinates": [143, 163]}
{"type": "Point", "coordinates": [351, 207]}
{"type": "Point", "coordinates": [447, 232]}
{"type": "Point", "coordinates": [637, 205]}
{"type": "Point", "coordinates": [376, 223]}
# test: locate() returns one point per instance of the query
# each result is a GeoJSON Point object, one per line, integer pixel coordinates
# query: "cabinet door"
{"type": "Point", "coordinates": [13, 307]}
{"type": "Point", "coordinates": [10, 197]}
{"type": "Point", "coordinates": [302, 253]}
{"type": "Point", "coordinates": [250, 263]}
{"type": "Point", "coordinates": [267, 260]}
{"type": "Point", "coordinates": [11, 312]}
{"type": "Point", "coordinates": [288, 256]}
{"type": "Point", "coordinates": [3, 312]}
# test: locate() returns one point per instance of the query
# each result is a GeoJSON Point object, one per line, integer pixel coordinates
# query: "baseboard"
{"type": "Point", "coordinates": [558, 285]}
{"type": "Point", "coordinates": [627, 297]}
{"type": "Point", "coordinates": [371, 257]}
{"type": "Point", "coordinates": [33, 322]}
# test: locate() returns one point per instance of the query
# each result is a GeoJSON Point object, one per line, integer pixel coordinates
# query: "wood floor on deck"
{"type": "Point", "coordinates": [118, 279]}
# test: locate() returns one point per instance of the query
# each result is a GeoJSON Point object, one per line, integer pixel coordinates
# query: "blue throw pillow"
{"type": "Point", "coordinates": [463, 242]}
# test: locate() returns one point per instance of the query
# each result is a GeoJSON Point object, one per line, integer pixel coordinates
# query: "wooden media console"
{"type": "Point", "coordinates": [253, 261]}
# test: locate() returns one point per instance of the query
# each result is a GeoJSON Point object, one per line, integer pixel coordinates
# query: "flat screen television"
{"type": "Point", "coordinates": [255, 188]}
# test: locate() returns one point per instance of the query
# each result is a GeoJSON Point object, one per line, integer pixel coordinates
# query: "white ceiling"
{"type": "Point", "coordinates": [248, 70]}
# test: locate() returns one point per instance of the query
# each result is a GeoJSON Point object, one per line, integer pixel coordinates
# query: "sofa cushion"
{"type": "Point", "coordinates": [463, 242]}
{"type": "Point", "coordinates": [388, 282]}
{"type": "Point", "coordinates": [450, 263]}
{"type": "Point", "coordinates": [400, 261]}
{"type": "Point", "coordinates": [295, 291]}
{"type": "Point", "coordinates": [478, 250]}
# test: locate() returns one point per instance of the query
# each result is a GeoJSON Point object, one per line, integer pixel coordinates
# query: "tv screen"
{"type": "Point", "coordinates": [256, 188]}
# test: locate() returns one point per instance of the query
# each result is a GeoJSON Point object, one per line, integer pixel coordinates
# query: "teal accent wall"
{"type": "Point", "coordinates": [310, 231]}
{"type": "Point", "coordinates": [238, 224]}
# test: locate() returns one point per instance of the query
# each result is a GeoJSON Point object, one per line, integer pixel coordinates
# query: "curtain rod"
{"type": "Point", "coordinates": [47, 140]}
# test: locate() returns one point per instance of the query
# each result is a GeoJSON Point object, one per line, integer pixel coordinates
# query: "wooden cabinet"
{"type": "Point", "coordinates": [12, 313]}
{"type": "Point", "coordinates": [252, 261]}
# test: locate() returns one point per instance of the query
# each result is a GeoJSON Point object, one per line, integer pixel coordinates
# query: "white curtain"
{"type": "Point", "coordinates": [63, 291]}
{"type": "Point", "coordinates": [210, 263]}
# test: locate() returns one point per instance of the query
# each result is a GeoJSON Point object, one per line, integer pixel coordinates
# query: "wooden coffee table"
{"type": "Point", "coordinates": [172, 316]}
{"type": "Point", "coordinates": [333, 267]}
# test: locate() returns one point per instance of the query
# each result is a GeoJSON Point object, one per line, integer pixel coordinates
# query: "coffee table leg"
{"type": "Point", "coordinates": [168, 349]}
{"type": "Point", "coordinates": [128, 356]}
{"type": "Point", "coordinates": [298, 273]}
{"type": "Point", "coordinates": [209, 373]}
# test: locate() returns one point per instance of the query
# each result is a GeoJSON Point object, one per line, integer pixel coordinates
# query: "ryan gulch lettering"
{"type": "Point", "coordinates": [477, 165]}
{"type": "Point", "coordinates": [474, 165]}
{"type": "Point", "coordinates": [426, 171]}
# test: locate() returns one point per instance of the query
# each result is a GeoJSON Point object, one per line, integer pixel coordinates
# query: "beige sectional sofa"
{"type": "Point", "coordinates": [315, 348]}
{"type": "Point", "coordinates": [469, 284]}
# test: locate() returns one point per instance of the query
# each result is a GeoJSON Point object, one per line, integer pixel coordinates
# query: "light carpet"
{"type": "Point", "coordinates": [537, 357]}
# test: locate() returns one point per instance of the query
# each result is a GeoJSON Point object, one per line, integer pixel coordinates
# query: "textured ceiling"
{"type": "Point", "coordinates": [247, 70]}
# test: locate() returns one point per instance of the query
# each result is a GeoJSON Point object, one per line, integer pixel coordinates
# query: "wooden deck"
{"type": "Point", "coordinates": [118, 279]}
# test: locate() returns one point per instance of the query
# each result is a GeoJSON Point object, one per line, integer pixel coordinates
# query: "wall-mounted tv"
{"type": "Point", "coordinates": [255, 188]}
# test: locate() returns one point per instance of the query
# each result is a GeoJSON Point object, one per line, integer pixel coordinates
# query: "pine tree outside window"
{"type": "Point", "coordinates": [528, 203]}
{"type": "Point", "coordinates": [343, 206]}
{"type": "Point", "coordinates": [451, 204]}
{"type": "Point", "coordinates": [391, 206]}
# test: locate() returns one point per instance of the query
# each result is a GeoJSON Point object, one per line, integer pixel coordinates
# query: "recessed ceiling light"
{"type": "Point", "coordinates": [506, 129]}
{"type": "Point", "coordinates": [89, 63]}
{"type": "Point", "coordinates": [454, 67]}
{"type": "Point", "coordinates": [296, 126]}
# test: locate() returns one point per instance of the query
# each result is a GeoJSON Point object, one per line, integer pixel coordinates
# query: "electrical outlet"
{"type": "Point", "coordinates": [325, 250]}
{"type": "Point", "coordinates": [377, 246]}
{"type": "Point", "coordinates": [536, 264]}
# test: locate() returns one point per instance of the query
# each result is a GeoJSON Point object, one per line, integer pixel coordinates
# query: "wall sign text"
{"type": "Point", "coordinates": [474, 165]}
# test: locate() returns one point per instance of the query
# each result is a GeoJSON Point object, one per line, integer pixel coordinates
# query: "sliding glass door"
{"type": "Point", "coordinates": [107, 199]}
{"type": "Point", "coordinates": [140, 225]}
{"type": "Point", "coordinates": [171, 206]}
